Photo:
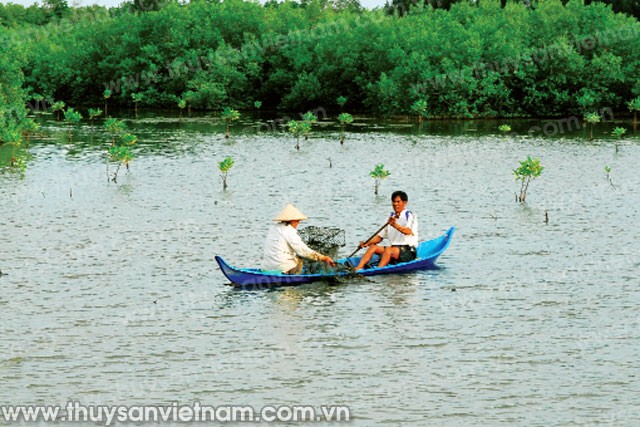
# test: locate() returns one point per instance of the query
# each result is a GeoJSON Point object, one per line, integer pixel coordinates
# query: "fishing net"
{"type": "Point", "coordinates": [326, 240]}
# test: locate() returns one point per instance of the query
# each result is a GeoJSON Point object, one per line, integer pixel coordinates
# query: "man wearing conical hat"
{"type": "Point", "coordinates": [284, 248]}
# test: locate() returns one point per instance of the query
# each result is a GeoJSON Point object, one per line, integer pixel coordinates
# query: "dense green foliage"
{"type": "Point", "coordinates": [471, 60]}
{"type": "Point", "coordinates": [12, 96]}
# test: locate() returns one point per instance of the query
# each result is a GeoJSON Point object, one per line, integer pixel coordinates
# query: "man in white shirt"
{"type": "Point", "coordinates": [401, 231]}
{"type": "Point", "coordinates": [284, 247]}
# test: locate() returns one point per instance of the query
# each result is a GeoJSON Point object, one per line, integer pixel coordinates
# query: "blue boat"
{"type": "Point", "coordinates": [253, 278]}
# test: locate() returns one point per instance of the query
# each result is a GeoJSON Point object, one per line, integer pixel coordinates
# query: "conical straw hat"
{"type": "Point", "coordinates": [290, 213]}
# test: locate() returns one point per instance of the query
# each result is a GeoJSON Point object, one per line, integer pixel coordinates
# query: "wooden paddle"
{"type": "Point", "coordinates": [367, 241]}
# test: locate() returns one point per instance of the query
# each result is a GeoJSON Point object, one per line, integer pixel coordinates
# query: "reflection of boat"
{"type": "Point", "coordinates": [254, 278]}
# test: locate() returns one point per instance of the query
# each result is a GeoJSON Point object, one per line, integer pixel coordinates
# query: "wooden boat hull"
{"type": "Point", "coordinates": [254, 278]}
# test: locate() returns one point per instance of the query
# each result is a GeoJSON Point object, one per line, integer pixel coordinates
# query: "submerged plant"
{"type": "Point", "coordinates": [528, 170]}
{"type": "Point", "coordinates": [592, 118]}
{"type": "Point", "coordinates": [344, 119]}
{"type": "Point", "coordinates": [298, 129]}
{"type": "Point", "coordinates": [229, 115]}
{"type": "Point", "coordinates": [224, 167]}
{"type": "Point", "coordinates": [419, 107]}
{"type": "Point", "coordinates": [378, 174]}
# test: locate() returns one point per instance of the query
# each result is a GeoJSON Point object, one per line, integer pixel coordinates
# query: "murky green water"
{"type": "Point", "coordinates": [111, 294]}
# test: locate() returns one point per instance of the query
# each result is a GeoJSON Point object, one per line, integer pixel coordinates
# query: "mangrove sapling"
{"type": "Point", "coordinates": [528, 170]}
{"type": "Point", "coordinates": [618, 132]}
{"type": "Point", "coordinates": [378, 174]}
{"type": "Point", "coordinates": [182, 104]}
{"type": "Point", "coordinates": [344, 119]}
{"type": "Point", "coordinates": [106, 95]}
{"type": "Point", "coordinates": [56, 107]}
{"type": "Point", "coordinates": [115, 128]}
{"type": "Point", "coordinates": [504, 128]}
{"type": "Point", "coordinates": [309, 118]}
{"type": "Point", "coordinates": [634, 106]}
{"type": "Point", "coordinates": [71, 117]}
{"type": "Point", "coordinates": [298, 129]}
{"type": "Point", "coordinates": [607, 170]}
{"type": "Point", "coordinates": [257, 105]}
{"type": "Point", "coordinates": [137, 98]}
{"type": "Point", "coordinates": [592, 118]}
{"type": "Point", "coordinates": [229, 115]}
{"type": "Point", "coordinates": [224, 167]}
{"type": "Point", "coordinates": [93, 114]}
{"type": "Point", "coordinates": [121, 153]}
{"type": "Point", "coordinates": [419, 107]}
{"type": "Point", "coordinates": [341, 101]}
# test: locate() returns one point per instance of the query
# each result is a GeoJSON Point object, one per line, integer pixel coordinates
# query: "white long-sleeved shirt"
{"type": "Point", "coordinates": [406, 219]}
{"type": "Point", "coordinates": [282, 248]}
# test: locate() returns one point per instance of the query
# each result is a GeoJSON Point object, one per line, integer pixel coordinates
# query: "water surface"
{"type": "Point", "coordinates": [111, 294]}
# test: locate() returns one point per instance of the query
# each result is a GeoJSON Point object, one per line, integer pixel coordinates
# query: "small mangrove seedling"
{"type": "Point", "coordinates": [93, 114]}
{"type": "Point", "coordinates": [58, 106]}
{"type": "Point", "coordinates": [182, 104]}
{"type": "Point", "coordinates": [592, 119]}
{"type": "Point", "coordinates": [344, 119]}
{"type": "Point", "coordinates": [341, 101]}
{"type": "Point", "coordinates": [618, 132]}
{"type": "Point", "coordinates": [229, 116]}
{"type": "Point", "coordinates": [607, 170]}
{"type": "Point", "coordinates": [137, 98]}
{"type": "Point", "coordinates": [634, 107]}
{"type": "Point", "coordinates": [528, 170]}
{"type": "Point", "coordinates": [310, 119]}
{"type": "Point", "coordinates": [224, 167]}
{"type": "Point", "coordinates": [189, 96]}
{"type": "Point", "coordinates": [504, 128]}
{"type": "Point", "coordinates": [106, 95]}
{"type": "Point", "coordinates": [378, 174]}
{"type": "Point", "coordinates": [115, 128]}
{"type": "Point", "coordinates": [257, 104]}
{"type": "Point", "coordinates": [121, 153]}
{"type": "Point", "coordinates": [419, 107]}
{"type": "Point", "coordinates": [298, 129]}
{"type": "Point", "coordinates": [71, 117]}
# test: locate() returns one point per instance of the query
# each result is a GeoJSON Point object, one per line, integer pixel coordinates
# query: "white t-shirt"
{"type": "Point", "coordinates": [282, 248]}
{"type": "Point", "coordinates": [406, 219]}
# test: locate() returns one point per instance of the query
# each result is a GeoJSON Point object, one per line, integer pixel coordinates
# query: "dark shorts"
{"type": "Point", "coordinates": [407, 253]}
